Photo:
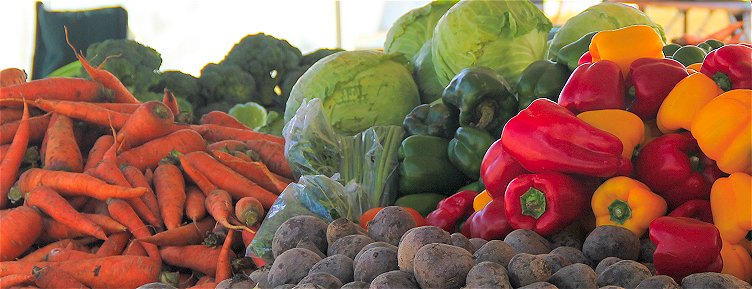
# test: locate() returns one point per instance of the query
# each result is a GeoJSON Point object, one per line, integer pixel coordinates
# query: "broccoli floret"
{"type": "Point", "coordinates": [289, 80]}
{"type": "Point", "coordinates": [227, 83]}
{"type": "Point", "coordinates": [268, 59]}
{"type": "Point", "coordinates": [311, 58]}
{"type": "Point", "coordinates": [182, 85]}
{"type": "Point", "coordinates": [133, 63]}
{"type": "Point", "coordinates": [220, 106]}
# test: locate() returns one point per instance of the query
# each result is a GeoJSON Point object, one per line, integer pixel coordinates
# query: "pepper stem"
{"type": "Point", "coordinates": [620, 212]}
{"type": "Point", "coordinates": [486, 111]}
{"type": "Point", "coordinates": [722, 80]}
{"type": "Point", "coordinates": [533, 203]}
{"type": "Point", "coordinates": [695, 164]}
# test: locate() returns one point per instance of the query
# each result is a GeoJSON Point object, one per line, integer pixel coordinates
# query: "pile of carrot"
{"type": "Point", "coordinates": [99, 190]}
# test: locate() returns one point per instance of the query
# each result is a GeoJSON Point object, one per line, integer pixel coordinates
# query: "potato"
{"type": "Point", "coordinates": [571, 236]}
{"type": "Point", "coordinates": [527, 241]}
{"type": "Point", "coordinates": [461, 241]}
{"type": "Point", "coordinates": [416, 238]}
{"type": "Point", "coordinates": [647, 249]}
{"type": "Point", "coordinates": [390, 224]}
{"type": "Point", "coordinates": [236, 282]}
{"type": "Point", "coordinates": [395, 279]}
{"type": "Point", "coordinates": [650, 266]}
{"type": "Point", "coordinates": [539, 285]}
{"type": "Point", "coordinates": [322, 279]}
{"type": "Point", "coordinates": [442, 266]}
{"type": "Point", "coordinates": [555, 261]}
{"type": "Point", "coordinates": [611, 287]}
{"type": "Point", "coordinates": [373, 262]}
{"type": "Point", "coordinates": [307, 244]}
{"type": "Point", "coordinates": [308, 286]}
{"type": "Point", "coordinates": [488, 275]}
{"type": "Point", "coordinates": [625, 273]}
{"type": "Point", "coordinates": [495, 251]}
{"type": "Point", "coordinates": [349, 245]}
{"type": "Point", "coordinates": [291, 266]}
{"type": "Point", "coordinates": [611, 241]}
{"type": "Point", "coordinates": [658, 282]}
{"type": "Point", "coordinates": [572, 254]}
{"type": "Point", "coordinates": [525, 269]}
{"type": "Point", "coordinates": [342, 227]}
{"type": "Point", "coordinates": [713, 281]}
{"type": "Point", "coordinates": [605, 263]}
{"type": "Point", "coordinates": [575, 276]}
{"type": "Point", "coordinates": [261, 276]}
{"type": "Point", "coordinates": [296, 229]}
{"type": "Point", "coordinates": [375, 245]}
{"type": "Point", "coordinates": [477, 243]}
{"type": "Point", "coordinates": [339, 265]}
{"type": "Point", "coordinates": [285, 286]}
{"type": "Point", "coordinates": [356, 285]}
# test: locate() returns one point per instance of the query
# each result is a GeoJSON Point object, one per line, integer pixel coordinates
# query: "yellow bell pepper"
{"type": "Point", "coordinates": [481, 200]}
{"type": "Point", "coordinates": [625, 202]}
{"type": "Point", "coordinates": [731, 203]}
{"type": "Point", "coordinates": [626, 45]}
{"type": "Point", "coordinates": [626, 126]}
{"type": "Point", "coordinates": [684, 101]}
{"type": "Point", "coordinates": [723, 129]}
{"type": "Point", "coordinates": [736, 261]}
{"type": "Point", "coordinates": [695, 67]}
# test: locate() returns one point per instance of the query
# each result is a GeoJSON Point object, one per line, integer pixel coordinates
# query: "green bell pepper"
{"type": "Point", "coordinates": [435, 119]}
{"type": "Point", "coordinates": [669, 49]}
{"type": "Point", "coordinates": [705, 47]}
{"type": "Point", "coordinates": [474, 186]}
{"type": "Point", "coordinates": [467, 148]}
{"type": "Point", "coordinates": [423, 203]}
{"type": "Point", "coordinates": [484, 99]}
{"type": "Point", "coordinates": [714, 44]}
{"type": "Point", "coordinates": [425, 167]}
{"type": "Point", "coordinates": [689, 54]}
{"type": "Point", "coordinates": [541, 79]}
{"type": "Point", "coordinates": [570, 54]}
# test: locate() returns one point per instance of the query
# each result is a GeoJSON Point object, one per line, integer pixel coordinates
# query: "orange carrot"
{"type": "Point", "coordinates": [150, 153]}
{"type": "Point", "coordinates": [188, 234]}
{"type": "Point", "coordinates": [65, 254]}
{"type": "Point", "coordinates": [11, 162]}
{"type": "Point", "coordinates": [138, 180]}
{"type": "Point", "coordinates": [170, 187]}
{"type": "Point", "coordinates": [54, 230]}
{"type": "Point", "coordinates": [78, 203]}
{"type": "Point", "coordinates": [10, 115]}
{"type": "Point", "coordinates": [149, 175]}
{"type": "Point", "coordinates": [194, 203]}
{"type": "Point", "coordinates": [257, 172]}
{"type": "Point", "coordinates": [15, 280]}
{"type": "Point", "coordinates": [119, 107]}
{"type": "Point", "coordinates": [114, 245]}
{"type": "Point", "coordinates": [219, 206]}
{"type": "Point", "coordinates": [151, 120]}
{"type": "Point", "coordinates": [109, 225]}
{"type": "Point", "coordinates": [20, 226]}
{"type": "Point", "coordinates": [135, 249]}
{"type": "Point", "coordinates": [55, 206]}
{"type": "Point", "coordinates": [57, 88]}
{"type": "Point", "coordinates": [171, 101]}
{"type": "Point", "coordinates": [244, 156]}
{"type": "Point", "coordinates": [74, 184]}
{"type": "Point", "coordinates": [38, 254]}
{"type": "Point", "coordinates": [37, 127]}
{"type": "Point", "coordinates": [227, 145]}
{"type": "Point", "coordinates": [196, 176]}
{"type": "Point", "coordinates": [87, 112]}
{"type": "Point", "coordinates": [52, 278]}
{"type": "Point", "coordinates": [123, 213]}
{"type": "Point", "coordinates": [62, 152]}
{"type": "Point", "coordinates": [224, 268]}
{"type": "Point", "coordinates": [97, 151]}
{"type": "Point", "coordinates": [12, 76]}
{"type": "Point", "coordinates": [222, 118]}
{"type": "Point", "coordinates": [213, 132]}
{"type": "Point", "coordinates": [249, 211]}
{"type": "Point", "coordinates": [273, 155]}
{"type": "Point", "coordinates": [195, 257]}
{"type": "Point", "coordinates": [227, 179]}
{"type": "Point", "coordinates": [94, 206]}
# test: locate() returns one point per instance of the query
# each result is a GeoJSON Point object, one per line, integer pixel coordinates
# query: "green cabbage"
{"type": "Point", "coordinates": [359, 89]}
{"type": "Point", "coordinates": [408, 34]}
{"type": "Point", "coordinates": [604, 16]}
{"type": "Point", "coordinates": [505, 36]}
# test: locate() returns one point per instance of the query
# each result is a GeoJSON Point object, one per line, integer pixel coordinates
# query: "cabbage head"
{"type": "Point", "coordinates": [408, 34]}
{"type": "Point", "coordinates": [604, 16]}
{"type": "Point", "coordinates": [505, 36]}
{"type": "Point", "coordinates": [359, 89]}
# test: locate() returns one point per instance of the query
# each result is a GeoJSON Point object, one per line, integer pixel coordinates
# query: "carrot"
{"type": "Point", "coordinates": [197, 177]}
{"type": "Point", "coordinates": [119, 107]}
{"type": "Point", "coordinates": [222, 118]}
{"type": "Point", "coordinates": [123, 213]}
{"type": "Point", "coordinates": [213, 132]}
{"type": "Point", "coordinates": [248, 236]}
{"type": "Point", "coordinates": [244, 156]}
{"type": "Point", "coordinates": [170, 101]}
{"type": "Point", "coordinates": [55, 206]}
{"type": "Point", "coordinates": [149, 175]}
{"type": "Point", "coordinates": [61, 151]}
{"type": "Point", "coordinates": [150, 153]}
{"type": "Point", "coordinates": [188, 234]}
{"type": "Point", "coordinates": [273, 155]}
{"type": "Point", "coordinates": [97, 151]}
{"type": "Point", "coordinates": [114, 244]}
{"type": "Point", "coordinates": [109, 225]}
{"type": "Point", "coordinates": [135, 249]}
{"type": "Point", "coordinates": [195, 257]}
{"type": "Point", "coordinates": [51, 278]}
{"type": "Point", "coordinates": [138, 180]}
{"type": "Point", "coordinates": [74, 184]}
{"type": "Point", "coordinates": [170, 187]}
{"type": "Point", "coordinates": [84, 111]}
{"type": "Point", "coordinates": [11, 162]}
{"type": "Point", "coordinates": [224, 269]}
{"type": "Point", "coordinates": [249, 211]}
{"type": "Point", "coordinates": [94, 206]}
{"type": "Point", "coordinates": [12, 76]}
{"type": "Point", "coordinates": [20, 227]}
{"type": "Point", "coordinates": [37, 127]}
{"type": "Point", "coordinates": [16, 280]}
{"type": "Point", "coordinates": [151, 120]}
{"type": "Point", "coordinates": [38, 254]}
{"type": "Point", "coordinates": [56, 88]}
{"type": "Point", "coordinates": [78, 203]}
{"type": "Point", "coordinates": [55, 231]}
{"type": "Point", "coordinates": [219, 206]}
{"type": "Point", "coordinates": [227, 179]}
{"type": "Point", "coordinates": [10, 115]}
{"type": "Point", "coordinates": [257, 172]}
{"type": "Point", "coordinates": [65, 254]}
{"type": "Point", "coordinates": [227, 145]}
{"type": "Point", "coordinates": [194, 203]}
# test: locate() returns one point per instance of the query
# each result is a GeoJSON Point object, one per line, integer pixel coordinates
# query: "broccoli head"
{"type": "Point", "coordinates": [311, 58]}
{"type": "Point", "coordinates": [209, 107]}
{"type": "Point", "coordinates": [182, 85]}
{"type": "Point", "coordinates": [267, 59]}
{"type": "Point", "coordinates": [226, 83]}
{"type": "Point", "coordinates": [133, 63]}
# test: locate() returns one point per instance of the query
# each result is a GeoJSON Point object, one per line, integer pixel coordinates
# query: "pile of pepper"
{"type": "Point", "coordinates": [632, 138]}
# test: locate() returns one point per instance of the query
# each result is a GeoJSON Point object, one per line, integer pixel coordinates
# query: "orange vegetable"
{"type": "Point", "coordinates": [37, 128]}
{"type": "Point", "coordinates": [171, 102]}
{"type": "Point", "coordinates": [257, 172]}
{"type": "Point", "coordinates": [188, 234]}
{"type": "Point", "coordinates": [61, 149]}
{"type": "Point", "coordinates": [114, 244]}
{"type": "Point", "coordinates": [151, 120]}
{"type": "Point", "coordinates": [219, 206]}
{"type": "Point", "coordinates": [56, 88]}
{"type": "Point", "coordinates": [87, 112]}
{"type": "Point", "coordinates": [12, 76]}
{"type": "Point", "coordinates": [273, 155]}
{"type": "Point", "coordinates": [249, 211]}
{"type": "Point", "coordinates": [123, 213]}
{"type": "Point", "coordinates": [15, 280]}
{"type": "Point", "coordinates": [97, 151]}
{"type": "Point", "coordinates": [194, 203]}
{"type": "Point", "coordinates": [50, 278]}
{"type": "Point", "coordinates": [150, 153]}
{"type": "Point", "coordinates": [224, 268]}
{"type": "Point", "coordinates": [213, 132]}
{"type": "Point", "coordinates": [12, 159]}
{"type": "Point", "coordinates": [195, 257]}
{"type": "Point", "coordinates": [170, 188]}
{"type": "Point", "coordinates": [52, 204]}
{"type": "Point", "coordinates": [222, 118]}
{"type": "Point", "coordinates": [20, 226]}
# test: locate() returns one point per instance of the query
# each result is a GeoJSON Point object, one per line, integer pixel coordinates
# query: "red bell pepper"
{"type": "Point", "coordinates": [684, 246]}
{"type": "Point", "coordinates": [594, 86]}
{"type": "Point", "coordinates": [545, 203]}
{"type": "Point", "coordinates": [730, 67]}
{"type": "Point", "coordinates": [673, 166]}
{"type": "Point", "coordinates": [695, 209]}
{"type": "Point", "coordinates": [451, 210]}
{"type": "Point", "coordinates": [546, 137]}
{"type": "Point", "coordinates": [649, 81]}
{"type": "Point", "coordinates": [585, 58]}
{"type": "Point", "coordinates": [490, 223]}
{"type": "Point", "coordinates": [497, 169]}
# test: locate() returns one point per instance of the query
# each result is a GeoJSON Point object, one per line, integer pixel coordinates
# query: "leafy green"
{"type": "Point", "coordinates": [251, 114]}
{"type": "Point", "coordinates": [408, 34]}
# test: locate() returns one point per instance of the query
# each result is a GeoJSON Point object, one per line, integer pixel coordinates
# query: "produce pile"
{"type": "Point", "coordinates": [482, 148]}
